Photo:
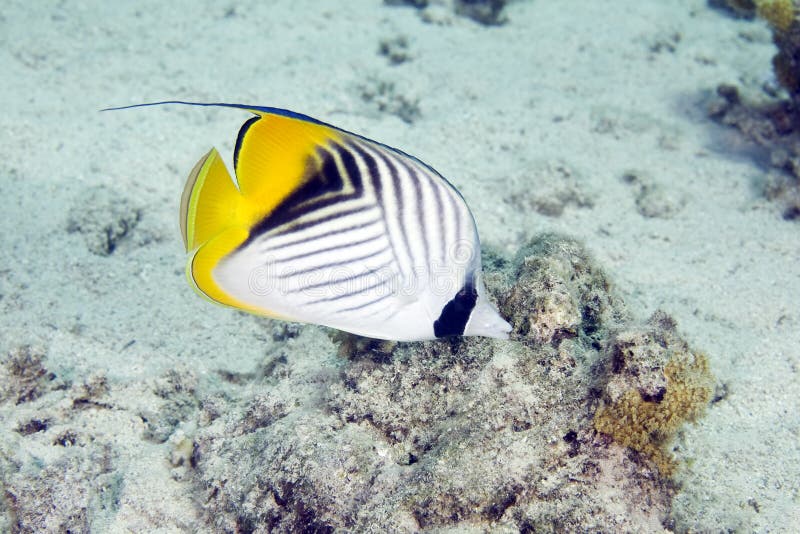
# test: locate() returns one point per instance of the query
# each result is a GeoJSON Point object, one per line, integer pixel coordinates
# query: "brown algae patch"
{"type": "Point", "coordinates": [648, 425]}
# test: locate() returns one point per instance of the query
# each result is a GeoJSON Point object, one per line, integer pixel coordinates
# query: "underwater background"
{"type": "Point", "coordinates": [632, 167]}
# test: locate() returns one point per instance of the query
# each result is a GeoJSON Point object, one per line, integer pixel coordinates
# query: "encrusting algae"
{"type": "Point", "coordinates": [647, 425]}
{"type": "Point", "coordinates": [779, 13]}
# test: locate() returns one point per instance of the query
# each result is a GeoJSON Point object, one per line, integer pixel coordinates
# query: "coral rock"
{"type": "Point", "coordinates": [462, 433]}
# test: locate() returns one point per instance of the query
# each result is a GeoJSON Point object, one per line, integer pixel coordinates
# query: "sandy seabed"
{"type": "Point", "coordinates": [588, 119]}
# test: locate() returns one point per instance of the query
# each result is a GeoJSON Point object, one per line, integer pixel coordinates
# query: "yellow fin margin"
{"type": "Point", "coordinates": [199, 269]}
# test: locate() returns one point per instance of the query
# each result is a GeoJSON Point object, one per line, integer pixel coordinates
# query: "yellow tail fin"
{"type": "Point", "coordinates": [212, 223]}
{"type": "Point", "coordinates": [210, 202]}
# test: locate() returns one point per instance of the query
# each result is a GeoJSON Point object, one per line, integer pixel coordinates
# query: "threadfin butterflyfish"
{"type": "Point", "coordinates": [325, 226]}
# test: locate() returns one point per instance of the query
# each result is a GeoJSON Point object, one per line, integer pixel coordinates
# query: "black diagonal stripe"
{"type": "Point", "coordinates": [240, 139]}
{"type": "Point", "coordinates": [349, 278]}
{"type": "Point", "coordinates": [459, 219]}
{"type": "Point", "coordinates": [362, 306]}
{"type": "Point", "coordinates": [420, 201]}
{"type": "Point", "coordinates": [375, 179]}
{"type": "Point", "coordinates": [315, 191]}
{"type": "Point", "coordinates": [317, 182]}
{"type": "Point", "coordinates": [348, 175]}
{"type": "Point", "coordinates": [297, 227]}
{"type": "Point", "coordinates": [377, 284]}
{"type": "Point", "coordinates": [309, 239]}
{"type": "Point", "coordinates": [398, 193]}
{"type": "Point", "coordinates": [442, 223]}
{"type": "Point", "coordinates": [372, 167]}
{"type": "Point", "coordinates": [327, 180]}
{"type": "Point", "coordinates": [332, 264]}
{"type": "Point", "coordinates": [315, 252]}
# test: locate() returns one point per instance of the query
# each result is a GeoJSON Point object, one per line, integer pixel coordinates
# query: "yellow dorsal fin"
{"type": "Point", "coordinates": [272, 158]}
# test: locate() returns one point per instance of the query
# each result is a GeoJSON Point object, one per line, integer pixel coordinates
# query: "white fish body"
{"type": "Point", "coordinates": [325, 226]}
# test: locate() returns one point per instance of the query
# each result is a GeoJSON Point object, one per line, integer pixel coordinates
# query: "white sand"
{"type": "Point", "coordinates": [581, 85]}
